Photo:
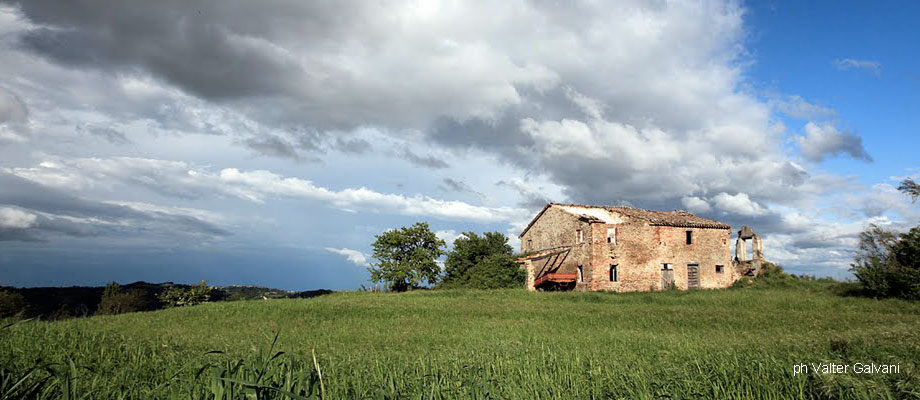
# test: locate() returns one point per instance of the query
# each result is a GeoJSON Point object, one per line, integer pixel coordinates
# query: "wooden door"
{"type": "Point", "coordinates": [693, 276]}
{"type": "Point", "coordinates": [667, 278]}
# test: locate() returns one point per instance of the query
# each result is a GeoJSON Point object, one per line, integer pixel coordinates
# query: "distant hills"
{"type": "Point", "coordinates": [80, 301]}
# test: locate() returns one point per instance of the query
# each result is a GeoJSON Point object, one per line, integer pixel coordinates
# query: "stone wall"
{"type": "Point", "coordinates": [639, 252]}
{"type": "Point", "coordinates": [557, 228]}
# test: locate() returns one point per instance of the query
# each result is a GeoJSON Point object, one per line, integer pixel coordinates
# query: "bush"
{"type": "Point", "coordinates": [114, 301]}
{"type": "Point", "coordinates": [12, 304]}
{"type": "Point", "coordinates": [178, 297]}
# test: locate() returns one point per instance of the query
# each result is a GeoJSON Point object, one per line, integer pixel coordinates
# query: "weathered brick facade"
{"type": "Point", "coordinates": [646, 249]}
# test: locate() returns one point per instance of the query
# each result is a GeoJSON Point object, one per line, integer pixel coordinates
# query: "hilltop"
{"type": "Point", "coordinates": [740, 343]}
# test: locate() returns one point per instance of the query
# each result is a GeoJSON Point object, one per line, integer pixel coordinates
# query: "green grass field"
{"type": "Point", "coordinates": [736, 343]}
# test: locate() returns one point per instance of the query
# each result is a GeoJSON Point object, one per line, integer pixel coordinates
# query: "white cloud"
{"type": "Point", "coordinates": [695, 204]}
{"type": "Point", "coordinates": [180, 179]}
{"type": "Point", "coordinates": [448, 236]}
{"type": "Point", "coordinates": [795, 106]}
{"type": "Point", "coordinates": [256, 184]}
{"type": "Point", "coordinates": [354, 256]}
{"type": "Point", "coordinates": [851, 63]}
{"type": "Point", "coordinates": [14, 218]}
{"type": "Point", "coordinates": [739, 203]}
{"type": "Point", "coordinates": [825, 140]}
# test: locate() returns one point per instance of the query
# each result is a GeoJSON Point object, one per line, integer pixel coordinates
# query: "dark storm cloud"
{"type": "Point", "coordinates": [108, 134]}
{"type": "Point", "coordinates": [351, 146]}
{"type": "Point", "coordinates": [458, 186]}
{"type": "Point", "coordinates": [12, 108]}
{"type": "Point", "coordinates": [531, 198]}
{"type": "Point", "coordinates": [455, 185]}
{"type": "Point", "coordinates": [179, 44]}
{"type": "Point", "coordinates": [14, 117]}
{"type": "Point", "coordinates": [427, 161]}
{"type": "Point", "coordinates": [271, 145]}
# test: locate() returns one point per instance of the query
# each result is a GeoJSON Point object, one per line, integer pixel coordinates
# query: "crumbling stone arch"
{"type": "Point", "coordinates": [754, 265]}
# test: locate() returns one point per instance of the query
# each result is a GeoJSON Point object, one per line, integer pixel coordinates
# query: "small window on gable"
{"type": "Point", "coordinates": [612, 235]}
{"type": "Point", "coordinates": [579, 236]}
{"type": "Point", "coordinates": [529, 244]}
{"type": "Point", "coordinates": [614, 274]}
{"type": "Point", "coordinates": [581, 274]}
{"type": "Point", "coordinates": [689, 237]}
{"type": "Point", "coordinates": [719, 269]}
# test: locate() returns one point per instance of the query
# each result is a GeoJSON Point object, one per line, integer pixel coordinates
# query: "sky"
{"type": "Point", "coordinates": [267, 143]}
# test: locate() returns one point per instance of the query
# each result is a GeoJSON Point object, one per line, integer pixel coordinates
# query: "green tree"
{"type": "Point", "coordinates": [114, 301]}
{"type": "Point", "coordinates": [888, 265]}
{"type": "Point", "coordinates": [407, 257]}
{"type": "Point", "coordinates": [466, 260]}
{"type": "Point", "coordinates": [178, 297]}
{"type": "Point", "coordinates": [496, 271]}
{"type": "Point", "coordinates": [910, 188]}
{"type": "Point", "coordinates": [12, 304]}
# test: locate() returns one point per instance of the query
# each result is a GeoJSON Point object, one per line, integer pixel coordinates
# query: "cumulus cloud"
{"type": "Point", "coordinates": [629, 102]}
{"type": "Point", "coordinates": [695, 204]}
{"type": "Point", "coordinates": [874, 67]}
{"type": "Point", "coordinates": [825, 140]}
{"type": "Point", "coordinates": [739, 203]}
{"type": "Point", "coordinates": [354, 256]}
{"type": "Point", "coordinates": [356, 68]}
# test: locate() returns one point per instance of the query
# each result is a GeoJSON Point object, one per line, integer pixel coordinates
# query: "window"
{"type": "Point", "coordinates": [666, 266]}
{"type": "Point", "coordinates": [719, 269]}
{"type": "Point", "coordinates": [579, 236]}
{"type": "Point", "coordinates": [581, 276]}
{"type": "Point", "coordinates": [614, 276]}
{"type": "Point", "coordinates": [612, 235]}
{"type": "Point", "coordinates": [529, 244]}
{"type": "Point", "coordinates": [689, 237]}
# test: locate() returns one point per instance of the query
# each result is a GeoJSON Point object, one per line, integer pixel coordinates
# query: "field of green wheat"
{"type": "Point", "coordinates": [735, 343]}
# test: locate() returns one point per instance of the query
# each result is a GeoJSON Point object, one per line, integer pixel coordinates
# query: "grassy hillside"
{"type": "Point", "coordinates": [737, 343]}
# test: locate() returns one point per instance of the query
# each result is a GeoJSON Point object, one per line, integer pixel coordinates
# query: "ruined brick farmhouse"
{"type": "Point", "coordinates": [582, 247]}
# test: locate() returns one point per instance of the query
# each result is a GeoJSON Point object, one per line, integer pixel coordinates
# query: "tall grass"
{"type": "Point", "coordinates": [739, 343]}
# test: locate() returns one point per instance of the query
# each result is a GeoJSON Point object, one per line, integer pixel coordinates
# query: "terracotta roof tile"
{"type": "Point", "coordinates": [677, 218]}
